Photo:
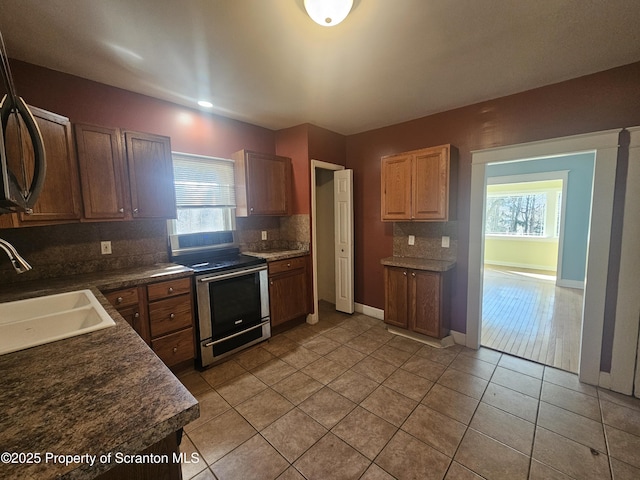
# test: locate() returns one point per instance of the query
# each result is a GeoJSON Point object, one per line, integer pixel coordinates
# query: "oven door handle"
{"type": "Point", "coordinates": [238, 273]}
{"type": "Point", "coordinates": [237, 334]}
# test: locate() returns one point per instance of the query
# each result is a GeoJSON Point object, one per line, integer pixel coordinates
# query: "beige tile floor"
{"type": "Point", "coordinates": [345, 399]}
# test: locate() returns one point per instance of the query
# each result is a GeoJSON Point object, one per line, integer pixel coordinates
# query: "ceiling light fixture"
{"type": "Point", "coordinates": [204, 103]}
{"type": "Point", "coordinates": [328, 12]}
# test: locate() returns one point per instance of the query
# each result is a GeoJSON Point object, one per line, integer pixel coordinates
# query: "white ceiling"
{"type": "Point", "coordinates": [265, 62]}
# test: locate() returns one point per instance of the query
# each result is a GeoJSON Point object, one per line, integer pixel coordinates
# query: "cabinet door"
{"type": "Point", "coordinates": [431, 184]}
{"type": "Point", "coordinates": [101, 172]}
{"type": "Point", "coordinates": [150, 175]}
{"type": "Point", "coordinates": [396, 187]}
{"type": "Point", "coordinates": [133, 317]}
{"type": "Point", "coordinates": [288, 296]}
{"type": "Point", "coordinates": [424, 302]}
{"type": "Point", "coordinates": [268, 183]}
{"type": "Point", "coordinates": [396, 295]}
{"type": "Point", "coordinates": [60, 196]}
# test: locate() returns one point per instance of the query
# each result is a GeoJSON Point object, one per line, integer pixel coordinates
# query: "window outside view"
{"type": "Point", "coordinates": [205, 194]}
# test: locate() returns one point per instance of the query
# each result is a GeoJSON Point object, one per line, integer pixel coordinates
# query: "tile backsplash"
{"type": "Point", "coordinates": [60, 250]}
{"type": "Point", "coordinates": [283, 233]}
{"type": "Point", "coordinates": [428, 241]}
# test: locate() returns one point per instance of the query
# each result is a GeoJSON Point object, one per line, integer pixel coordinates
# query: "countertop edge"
{"type": "Point", "coordinates": [428, 264]}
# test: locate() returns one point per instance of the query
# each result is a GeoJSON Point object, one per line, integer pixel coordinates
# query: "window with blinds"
{"type": "Point", "coordinates": [205, 194]}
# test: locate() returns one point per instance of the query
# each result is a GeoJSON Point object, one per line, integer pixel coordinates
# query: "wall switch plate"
{"type": "Point", "coordinates": [264, 234]}
{"type": "Point", "coordinates": [412, 239]}
{"type": "Point", "coordinates": [445, 242]}
{"type": "Point", "coordinates": [105, 248]}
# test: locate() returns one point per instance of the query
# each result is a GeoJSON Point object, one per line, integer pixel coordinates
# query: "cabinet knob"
{"type": "Point", "coordinates": [119, 300]}
{"type": "Point", "coordinates": [136, 315]}
{"type": "Point", "coordinates": [288, 265]}
{"type": "Point", "coordinates": [121, 210]}
{"type": "Point", "coordinates": [413, 274]}
{"type": "Point", "coordinates": [135, 210]}
{"type": "Point", "coordinates": [404, 273]}
{"type": "Point", "coordinates": [172, 316]}
{"type": "Point", "coordinates": [251, 209]}
{"type": "Point", "coordinates": [175, 349]}
{"type": "Point", "coordinates": [271, 282]}
{"type": "Point", "coordinates": [170, 289]}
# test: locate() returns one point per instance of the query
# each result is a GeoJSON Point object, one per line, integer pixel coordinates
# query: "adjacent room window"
{"type": "Point", "coordinates": [205, 194]}
{"type": "Point", "coordinates": [521, 214]}
{"type": "Point", "coordinates": [524, 209]}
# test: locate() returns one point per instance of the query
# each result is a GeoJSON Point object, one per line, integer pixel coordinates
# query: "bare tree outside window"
{"type": "Point", "coordinates": [517, 215]}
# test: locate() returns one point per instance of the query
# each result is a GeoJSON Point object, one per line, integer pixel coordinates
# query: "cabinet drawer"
{"type": "Point", "coordinates": [170, 288]}
{"type": "Point", "coordinates": [170, 314]}
{"type": "Point", "coordinates": [175, 348]}
{"type": "Point", "coordinates": [123, 298]}
{"type": "Point", "coordinates": [280, 266]}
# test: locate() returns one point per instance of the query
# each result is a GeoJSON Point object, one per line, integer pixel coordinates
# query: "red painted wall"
{"type": "Point", "coordinates": [294, 143]}
{"type": "Point", "coordinates": [84, 101]}
{"type": "Point", "coordinates": [602, 101]}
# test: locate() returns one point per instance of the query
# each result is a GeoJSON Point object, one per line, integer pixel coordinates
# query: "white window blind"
{"type": "Point", "coordinates": [203, 181]}
{"type": "Point", "coordinates": [205, 194]}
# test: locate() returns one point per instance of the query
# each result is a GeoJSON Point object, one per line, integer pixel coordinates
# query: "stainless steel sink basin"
{"type": "Point", "coordinates": [40, 320]}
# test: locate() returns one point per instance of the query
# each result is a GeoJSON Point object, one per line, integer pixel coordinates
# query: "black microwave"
{"type": "Point", "coordinates": [19, 195]}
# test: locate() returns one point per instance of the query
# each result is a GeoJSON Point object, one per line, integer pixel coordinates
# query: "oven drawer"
{"type": "Point", "coordinates": [170, 288]}
{"type": "Point", "coordinates": [123, 298]}
{"type": "Point", "coordinates": [286, 265]}
{"type": "Point", "coordinates": [175, 348]}
{"type": "Point", "coordinates": [170, 315]}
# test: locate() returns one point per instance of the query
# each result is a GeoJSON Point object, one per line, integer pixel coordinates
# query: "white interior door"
{"type": "Point", "coordinates": [343, 198]}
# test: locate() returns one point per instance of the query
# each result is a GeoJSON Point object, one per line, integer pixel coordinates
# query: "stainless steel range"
{"type": "Point", "coordinates": [232, 297]}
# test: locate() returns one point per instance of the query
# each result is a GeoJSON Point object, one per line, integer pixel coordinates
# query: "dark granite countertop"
{"type": "Point", "coordinates": [98, 393]}
{"type": "Point", "coordinates": [273, 255]}
{"type": "Point", "coordinates": [419, 263]}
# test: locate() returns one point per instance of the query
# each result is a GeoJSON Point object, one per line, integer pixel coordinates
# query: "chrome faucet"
{"type": "Point", "coordinates": [19, 263]}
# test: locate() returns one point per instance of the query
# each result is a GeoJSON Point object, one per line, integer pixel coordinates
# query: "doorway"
{"type": "Point", "coordinates": [532, 292]}
{"type": "Point", "coordinates": [331, 237]}
{"type": "Point", "coordinates": [604, 145]}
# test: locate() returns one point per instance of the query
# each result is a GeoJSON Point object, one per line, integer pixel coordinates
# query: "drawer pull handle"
{"type": "Point", "coordinates": [119, 300]}
{"type": "Point", "coordinates": [172, 316]}
{"type": "Point", "coordinates": [170, 289]}
{"type": "Point", "coordinates": [288, 265]}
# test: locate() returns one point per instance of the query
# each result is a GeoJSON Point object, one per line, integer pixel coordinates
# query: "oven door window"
{"type": "Point", "coordinates": [235, 304]}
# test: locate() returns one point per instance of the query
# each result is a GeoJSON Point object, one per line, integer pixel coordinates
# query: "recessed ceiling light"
{"type": "Point", "coordinates": [204, 103]}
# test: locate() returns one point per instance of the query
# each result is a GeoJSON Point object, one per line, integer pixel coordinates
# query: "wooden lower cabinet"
{"type": "Point", "coordinates": [418, 300]}
{"type": "Point", "coordinates": [162, 314]}
{"type": "Point", "coordinates": [289, 296]}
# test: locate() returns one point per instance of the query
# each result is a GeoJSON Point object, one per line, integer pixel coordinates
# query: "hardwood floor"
{"type": "Point", "coordinates": [526, 315]}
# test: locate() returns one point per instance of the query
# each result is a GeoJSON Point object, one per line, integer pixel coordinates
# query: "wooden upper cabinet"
{"type": "Point", "coordinates": [419, 185]}
{"type": "Point", "coordinates": [263, 184]}
{"type": "Point", "coordinates": [396, 187]}
{"type": "Point", "coordinates": [150, 171]}
{"type": "Point", "coordinates": [59, 200]}
{"type": "Point", "coordinates": [101, 172]}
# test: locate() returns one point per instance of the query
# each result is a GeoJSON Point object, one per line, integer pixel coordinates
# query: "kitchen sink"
{"type": "Point", "coordinates": [36, 321]}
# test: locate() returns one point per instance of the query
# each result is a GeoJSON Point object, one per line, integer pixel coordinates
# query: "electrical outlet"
{"type": "Point", "coordinates": [445, 242]}
{"type": "Point", "coordinates": [264, 234]}
{"type": "Point", "coordinates": [105, 248]}
{"type": "Point", "coordinates": [412, 239]}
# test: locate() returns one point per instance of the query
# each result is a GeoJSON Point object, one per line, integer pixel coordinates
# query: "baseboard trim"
{"type": "Point", "coordinates": [526, 266]}
{"type": "Point", "coordinates": [369, 311]}
{"type": "Point", "coordinates": [604, 380]}
{"type": "Point", "coordinates": [570, 283]}
{"type": "Point", "coordinates": [459, 337]}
